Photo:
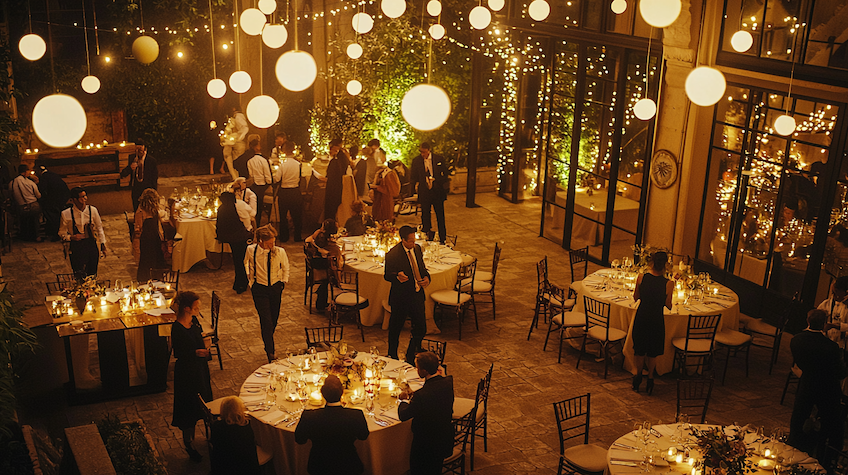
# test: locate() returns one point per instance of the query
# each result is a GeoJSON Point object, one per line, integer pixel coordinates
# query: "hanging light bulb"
{"type": "Point", "coordinates": [59, 120]}
{"type": "Point", "coordinates": [90, 84]}
{"type": "Point", "coordinates": [434, 8]}
{"type": "Point", "coordinates": [705, 85]}
{"type": "Point", "coordinates": [240, 82]}
{"type": "Point", "coordinates": [362, 23]}
{"type": "Point", "coordinates": [32, 47]}
{"type": "Point", "coordinates": [251, 21]}
{"type": "Point", "coordinates": [741, 41]}
{"type": "Point", "coordinates": [262, 111]}
{"type": "Point", "coordinates": [618, 6]}
{"type": "Point", "coordinates": [216, 88]}
{"type": "Point", "coordinates": [393, 8]}
{"type": "Point", "coordinates": [274, 36]}
{"type": "Point", "coordinates": [496, 5]}
{"type": "Point", "coordinates": [354, 51]}
{"type": "Point", "coordinates": [437, 31]}
{"type": "Point", "coordinates": [354, 87]}
{"type": "Point", "coordinates": [145, 49]}
{"type": "Point", "coordinates": [660, 13]}
{"type": "Point", "coordinates": [784, 125]}
{"type": "Point", "coordinates": [480, 17]}
{"type": "Point", "coordinates": [296, 70]}
{"type": "Point", "coordinates": [539, 10]}
{"type": "Point", "coordinates": [267, 6]}
{"type": "Point", "coordinates": [425, 107]}
{"type": "Point", "coordinates": [645, 109]}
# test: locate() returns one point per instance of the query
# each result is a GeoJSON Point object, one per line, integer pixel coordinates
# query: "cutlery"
{"type": "Point", "coordinates": [293, 422]}
{"type": "Point", "coordinates": [284, 419]}
{"type": "Point", "coordinates": [626, 463]}
{"type": "Point", "coordinates": [655, 433]}
{"type": "Point", "coordinates": [624, 446]}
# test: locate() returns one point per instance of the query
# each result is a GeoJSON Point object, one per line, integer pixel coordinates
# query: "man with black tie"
{"type": "Point", "coordinates": [428, 178]}
{"type": "Point", "coordinates": [142, 171]}
{"type": "Point", "coordinates": [332, 430]}
{"type": "Point", "coordinates": [409, 277]}
{"type": "Point", "coordinates": [430, 409]}
{"type": "Point", "coordinates": [267, 269]}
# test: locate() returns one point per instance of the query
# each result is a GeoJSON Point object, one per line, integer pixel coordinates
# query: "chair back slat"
{"type": "Point", "coordinates": [572, 416]}
{"type": "Point", "coordinates": [166, 276]}
{"type": "Point", "coordinates": [542, 275]}
{"type": "Point", "coordinates": [436, 346]}
{"type": "Point", "coordinates": [693, 397]}
{"type": "Point", "coordinates": [465, 276]}
{"type": "Point", "coordinates": [579, 260]}
{"type": "Point", "coordinates": [495, 261]}
{"type": "Point", "coordinates": [216, 310]}
{"type": "Point", "coordinates": [450, 240]}
{"type": "Point", "coordinates": [66, 278]}
{"type": "Point", "coordinates": [702, 327]}
{"type": "Point", "coordinates": [328, 335]}
{"type": "Point", "coordinates": [597, 314]}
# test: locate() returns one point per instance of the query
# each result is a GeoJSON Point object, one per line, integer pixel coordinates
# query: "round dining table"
{"type": "Point", "coordinates": [384, 452]}
{"type": "Point", "coordinates": [199, 236]}
{"type": "Point", "coordinates": [599, 286]}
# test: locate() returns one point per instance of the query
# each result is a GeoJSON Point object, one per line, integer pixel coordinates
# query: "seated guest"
{"type": "Point", "coordinates": [233, 447]}
{"type": "Point", "coordinates": [322, 248]}
{"type": "Point", "coordinates": [357, 224]}
{"type": "Point", "coordinates": [333, 431]}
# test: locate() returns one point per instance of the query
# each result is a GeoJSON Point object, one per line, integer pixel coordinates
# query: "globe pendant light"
{"type": "Point", "coordinates": [90, 84]}
{"type": "Point", "coordinates": [784, 125]}
{"type": "Point", "coordinates": [434, 8]}
{"type": "Point", "coordinates": [296, 70]}
{"type": "Point", "coordinates": [362, 23]}
{"type": "Point", "coordinates": [425, 107]}
{"type": "Point", "coordinates": [145, 49]}
{"type": "Point", "coordinates": [59, 120]}
{"type": "Point", "coordinates": [660, 13]}
{"type": "Point", "coordinates": [216, 88]}
{"type": "Point", "coordinates": [480, 17]}
{"type": "Point", "coordinates": [240, 82]}
{"type": "Point", "coordinates": [263, 111]}
{"type": "Point", "coordinates": [496, 5]}
{"type": "Point", "coordinates": [354, 87]}
{"type": "Point", "coordinates": [741, 41]}
{"type": "Point", "coordinates": [437, 31]}
{"type": "Point", "coordinates": [274, 36]}
{"type": "Point", "coordinates": [618, 6]}
{"type": "Point", "coordinates": [705, 85]}
{"type": "Point", "coordinates": [267, 6]}
{"type": "Point", "coordinates": [32, 47]}
{"type": "Point", "coordinates": [393, 8]}
{"type": "Point", "coordinates": [539, 10]}
{"type": "Point", "coordinates": [645, 109]}
{"type": "Point", "coordinates": [354, 51]}
{"type": "Point", "coordinates": [251, 21]}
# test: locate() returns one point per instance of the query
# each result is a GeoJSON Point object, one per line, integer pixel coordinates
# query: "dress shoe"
{"type": "Point", "coordinates": [193, 454]}
{"type": "Point", "coordinates": [637, 381]}
{"type": "Point", "coordinates": [649, 386]}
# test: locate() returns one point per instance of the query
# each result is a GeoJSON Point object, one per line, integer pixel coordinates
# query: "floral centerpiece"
{"type": "Point", "coordinates": [85, 289]}
{"type": "Point", "coordinates": [643, 256]}
{"type": "Point", "coordinates": [343, 364]}
{"type": "Point", "coordinates": [227, 137]}
{"type": "Point", "coordinates": [386, 233]}
{"type": "Point", "coordinates": [723, 454]}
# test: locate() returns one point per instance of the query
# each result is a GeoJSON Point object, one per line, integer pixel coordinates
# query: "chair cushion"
{"type": "Point", "coordinates": [744, 319]}
{"type": "Point", "coordinates": [449, 297]}
{"type": "Point", "coordinates": [215, 406]}
{"type": "Point", "coordinates": [572, 319]}
{"type": "Point", "coordinates": [206, 325]}
{"type": "Point", "coordinates": [479, 286]}
{"type": "Point", "coordinates": [462, 406]}
{"type": "Point", "coordinates": [600, 333]}
{"type": "Point", "coordinates": [483, 275]}
{"type": "Point", "coordinates": [569, 303]}
{"type": "Point", "coordinates": [467, 259]}
{"type": "Point", "coordinates": [412, 199]}
{"type": "Point", "coordinates": [732, 338]}
{"type": "Point", "coordinates": [588, 457]}
{"type": "Point", "coordinates": [457, 452]}
{"type": "Point", "coordinates": [759, 326]}
{"type": "Point", "coordinates": [349, 299]}
{"type": "Point", "coordinates": [552, 300]}
{"type": "Point", "coordinates": [696, 346]}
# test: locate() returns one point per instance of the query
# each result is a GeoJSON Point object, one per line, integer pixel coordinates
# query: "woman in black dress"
{"type": "Point", "coordinates": [339, 163]}
{"type": "Point", "coordinates": [655, 291]}
{"type": "Point", "coordinates": [233, 445]}
{"type": "Point", "coordinates": [149, 235]}
{"type": "Point", "coordinates": [191, 371]}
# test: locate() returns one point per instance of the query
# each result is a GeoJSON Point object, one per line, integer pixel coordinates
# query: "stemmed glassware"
{"type": "Point", "coordinates": [369, 404]}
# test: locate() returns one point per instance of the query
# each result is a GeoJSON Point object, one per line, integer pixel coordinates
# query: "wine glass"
{"type": "Point", "coordinates": [374, 353]}
{"type": "Point", "coordinates": [650, 455]}
{"type": "Point", "coordinates": [313, 357]}
{"type": "Point", "coordinates": [369, 404]}
{"type": "Point", "coordinates": [302, 394]}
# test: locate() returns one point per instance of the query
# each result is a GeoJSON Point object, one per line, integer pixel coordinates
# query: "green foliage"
{"type": "Point", "coordinates": [342, 121]}
{"type": "Point", "coordinates": [128, 447]}
{"type": "Point", "coordinates": [15, 341]}
{"type": "Point", "coordinates": [10, 129]}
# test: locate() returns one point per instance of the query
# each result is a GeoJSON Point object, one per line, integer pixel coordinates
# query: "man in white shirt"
{"type": "Point", "coordinates": [378, 159]}
{"type": "Point", "coordinates": [25, 193]}
{"type": "Point", "coordinates": [246, 197]}
{"type": "Point", "coordinates": [231, 152]}
{"type": "Point", "coordinates": [259, 169]}
{"type": "Point", "coordinates": [82, 228]}
{"type": "Point", "coordinates": [289, 198]}
{"type": "Point", "coordinates": [267, 269]}
{"type": "Point", "coordinates": [837, 312]}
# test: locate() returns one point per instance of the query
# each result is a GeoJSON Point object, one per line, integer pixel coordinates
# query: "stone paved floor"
{"type": "Point", "coordinates": [526, 381]}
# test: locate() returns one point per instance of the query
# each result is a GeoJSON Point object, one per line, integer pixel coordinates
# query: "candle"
{"type": "Point", "coordinates": [391, 385]}
{"type": "Point", "coordinates": [102, 300]}
{"type": "Point", "coordinates": [715, 290]}
{"type": "Point", "coordinates": [681, 266]}
{"type": "Point", "coordinates": [678, 458]}
{"type": "Point", "coordinates": [315, 398]}
{"type": "Point", "coordinates": [672, 451]}
{"type": "Point", "coordinates": [767, 453]}
{"type": "Point", "coordinates": [766, 464]}
{"type": "Point", "coordinates": [681, 295]}
{"type": "Point", "coordinates": [368, 373]}
{"type": "Point", "coordinates": [167, 286]}
{"type": "Point", "coordinates": [691, 461]}
{"type": "Point", "coordinates": [316, 378]}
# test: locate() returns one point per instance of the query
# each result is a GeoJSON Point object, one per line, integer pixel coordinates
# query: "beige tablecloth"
{"type": "Point", "coordinates": [594, 207]}
{"type": "Point", "coordinates": [622, 312]}
{"type": "Point", "coordinates": [198, 239]}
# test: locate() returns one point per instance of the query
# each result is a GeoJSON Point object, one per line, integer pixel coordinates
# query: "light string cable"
{"type": "Point", "coordinates": [212, 35]}
{"type": "Point", "coordinates": [85, 33]}
{"type": "Point", "coordinates": [792, 72]}
{"type": "Point", "coordinates": [96, 33]}
{"type": "Point", "coordinates": [141, 13]}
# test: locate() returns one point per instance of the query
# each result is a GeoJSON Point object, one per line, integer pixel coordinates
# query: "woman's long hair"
{"type": "Point", "coordinates": [149, 202]}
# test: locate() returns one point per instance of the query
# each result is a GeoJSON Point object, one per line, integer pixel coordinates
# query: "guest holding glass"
{"type": "Point", "coordinates": [233, 227]}
{"type": "Point", "coordinates": [191, 370]}
{"type": "Point", "coordinates": [337, 168]}
{"type": "Point", "coordinates": [655, 292]}
{"type": "Point", "coordinates": [233, 447]}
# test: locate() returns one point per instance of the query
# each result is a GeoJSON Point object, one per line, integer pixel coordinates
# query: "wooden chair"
{"type": "Point", "coordinates": [213, 331]}
{"type": "Point", "coordinates": [455, 463]}
{"type": "Point", "coordinates": [313, 263]}
{"type": "Point", "coordinates": [836, 461]}
{"type": "Point", "coordinates": [56, 288]}
{"type": "Point", "coordinates": [792, 379]}
{"type": "Point", "coordinates": [765, 335]}
{"type": "Point", "coordinates": [693, 397]}
{"type": "Point", "coordinates": [598, 329]}
{"type": "Point", "coordinates": [345, 298]}
{"type": "Point", "coordinates": [167, 276]}
{"type": "Point", "coordinates": [572, 417]}
{"type": "Point", "coordinates": [579, 258]}
{"type": "Point", "coordinates": [734, 342]}
{"type": "Point", "coordinates": [545, 305]}
{"type": "Point", "coordinates": [481, 412]}
{"type": "Point", "coordinates": [211, 413]}
{"type": "Point", "coordinates": [437, 347]}
{"type": "Point", "coordinates": [698, 344]}
{"type": "Point", "coordinates": [486, 287]}
{"type": "Point", "coordinates": [456, 299]}
{"type": "Point", "coordinates": [323, 335]}
{"type": "Point", "coordinates": [564, 320]}
{"type": "Point", "coordinates": [490, 276]}
{"type": "Point", "coordinates": [450, 240]}
{"type": "Point", "coordinates": [67, 278]}
{"type": "Point", "coordinates": [130, 224]}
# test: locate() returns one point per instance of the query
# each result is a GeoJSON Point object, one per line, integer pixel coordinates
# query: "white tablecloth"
{"type": "Point", "coordinates": [625, 215]}
{"type": "Point", "coordinates": [198, 239]}
{"type": "Point", "coordinates": [622, 312]}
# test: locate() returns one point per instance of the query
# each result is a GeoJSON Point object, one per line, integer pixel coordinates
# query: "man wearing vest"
{"type": "Point", "coordinates": [82, 228]}
{"type": "Point", "coordinates": [267, 269]}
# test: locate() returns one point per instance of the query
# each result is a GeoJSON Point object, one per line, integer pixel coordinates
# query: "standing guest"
{"type": "Point", "coordinates": [289, 198]}
{"type": "Point", "coordinates": [333, 431]}
{"type": "Point", "coordinates": [837, 313]}
{"type": "Point", "coordinates": [233, 447]}
{"type": "Point", "coordinates": [244, 195]}
{"type": "Point", "coordinates": [428, 178]}
{"type": "Point", "coordinates": [267, 269]}
{"type": "Point", "coordinates": [81, 226]}
{"type": "Point", "coordinates": [233, 227]}
{"type": "Point", "coordinates": [386, 188]}
{"type": "Point", "coordinates": [262, 175]}
{"type": "Point", "coordinates": [149, 235]}
{"type": "Point", "coordinates": [322, 244]}
{"type": "Point", "coordinates": [212, 142]}
{"type": "Point", "coordinates": [54, 199]}
{"type": "Point", "coordinates": [254, 148]}
{"type": "Point", "coordinates": [25, 195]}
{"type": "Point", "coordinates": [359, 165]}
{"type": "Point", "coordinates": [280, 140]}
{"type": "Point", "coordinates": [655, 292]}
{"type": "Point", "coordinates": [820, 361]}
{"type": "Point", "coordinates": [231, 152]}
{"type": "Point", "coordinates": [376, 159]}
{"type": "Point", "coordinates": [430, 409]}
{"type": "Point", "coordinates": [409, 277]}
{"type": "Point", "coordinates": [142, 171]}
{"type": "Point", "coordinates": [191, 371]}
{"type": "Point", "coordinates": [360, 221]}
{"type": "Point", "coordinates": [338, 167]}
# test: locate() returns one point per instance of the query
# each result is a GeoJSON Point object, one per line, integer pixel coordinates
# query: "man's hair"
{"type": "Point", "coordinates": [281, 134]}
{"type": "Point", "coordinates": [428, 361]}
{"type": "Point", "coordinates": [841, 283]}
{"type": "Point", "coordinates": [265, 233]}
{"type": "Point", "coordinates": [816, 319]}
{"type": "Point", "coordinates": [140, 141]}
{"type": "Point", "coordinates": [374, 142]}
{"type": "Point", "coordinates": [288, 147]}
{"type": "Point", "coordinates": [253, 143]}
{"type": "Point", "coordinates": [405, 231]}
{"type": "Point", "coordinates": [77, 191]}
{"type": "Point", "coordinates": [22, 168]}
{"type": "Point", "coordinates": [332, 389]}
{"type": "Point", "coordinates": [336, 143]}
{"type": "Point", "coordinates": [659, 260]}
{"type": "Point", "coordinates": [425, 145]}
{"type": "Point", "coordinates": [357, 207]}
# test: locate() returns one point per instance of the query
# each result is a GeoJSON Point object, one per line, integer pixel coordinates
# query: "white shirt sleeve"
{"type": "Point", "coordinates": [244, 212]}
{"type": "Point", "coordinates": [65, 225]}
{"type": "Point", "coordinates": [250, 197]}
{"type": "Point", "coordinates": [284, 265]}
{"type": "Point", "coordinates": [248, 263]}
{"type": "Point", "coordinates": [97, 226]}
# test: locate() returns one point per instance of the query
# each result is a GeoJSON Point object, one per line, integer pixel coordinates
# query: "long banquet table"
{"type": "Point", "coordinates": [623, 310]}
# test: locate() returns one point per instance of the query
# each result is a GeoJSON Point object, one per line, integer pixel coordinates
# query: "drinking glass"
{"type": "Point", "coordinates": [369, 404]}
{"type": "Point", "coordinates": [650, 456]}
{"type": "Point", "coordinates": [313, 357]}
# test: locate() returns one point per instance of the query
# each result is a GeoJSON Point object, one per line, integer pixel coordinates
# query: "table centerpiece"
{"type": "Point", "coordinates": [722, 454]}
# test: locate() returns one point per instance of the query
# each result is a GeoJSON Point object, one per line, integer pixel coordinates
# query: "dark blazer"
{"type": "Point", "coordinates": [332, 430]}
{"type": "Point", "coordinates": [820, 359]}
{"type": "Point", "coordinates": [240, 163]}
{"type": "Point", "coordinates": [54, 191]}
{"type": "Point", "coordinates": [431, 409]}
{"type": "Point", "coordinates": [149, 179]}
{"type": "Point", "coordinates": [418, 179]}
{"type": "Point", "coordinates": [396, 261]}
{"type": "Point", "coordinates": [360, 175]}
{"type": "Point", "coordinates": [233, 450]}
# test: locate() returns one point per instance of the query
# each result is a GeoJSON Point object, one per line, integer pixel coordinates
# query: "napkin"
{"type": "Point", "coordinates": [156, 312]}
{"type": "Point", "coordinates": [115, 296]}
{"type": "Point", "coordinates": [665, 430]}
{"type": "Point", "coordinates": [271, 416]}
{"type": "Point", "coordinates": [619, 454]}
{"type": "Point", "coordinates": [51, 298]}
{"type": "Point", "coordinates": [391, 413]}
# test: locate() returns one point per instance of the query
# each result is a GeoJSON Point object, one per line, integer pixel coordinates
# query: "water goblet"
{"type": "Point", "coordinates": [369, 404]}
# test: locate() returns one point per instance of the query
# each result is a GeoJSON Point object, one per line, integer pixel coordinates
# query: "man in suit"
{"type": "Point", "coordinates": [823, 369]}
{"type": "Point", "coordinates": [430, 409]}
{"type": "Point", "coordinates": [429, 178]}
{"type": "Point", "coordinates": [142, 171]}
{"type": "Point", "coordinates": [333, 431]}
{"type": "Point", "coordinates": [409, 277]}
{"type": "Point", "coordinates": [54, 199]}
{"type": "Point", "coordinates": [240, 163]}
